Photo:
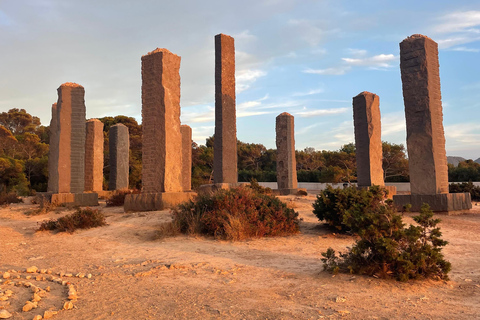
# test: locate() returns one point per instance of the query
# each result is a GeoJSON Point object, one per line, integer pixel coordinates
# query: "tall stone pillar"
{"type": "Point", "coordinates": [53, 153]}
{"type": "Point", "coordinates": [286, 163]}
{"type": "Point", "coordinates": [225, 143]}
{"type": "Point", "coordinates": [94, 155]}
{"type": "Point", "coordinates": [119, 146]}
{"type": "Point", "coordinates": [162, 163]}
{"type": "Point", "coordinates": [368, 140]}
{"type": "Point", "coordinates": [70, 168]}
{"type": "Point", "coordinates": [186, 157]}
{"type": "Point", "coordinates": [425, 136]}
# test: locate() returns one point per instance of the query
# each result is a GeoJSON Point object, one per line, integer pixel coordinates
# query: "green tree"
{"type": "Point", "coordinates": [395, 162]}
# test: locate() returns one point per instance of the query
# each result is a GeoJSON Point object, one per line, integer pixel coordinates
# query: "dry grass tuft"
{"type": "Point", "coordinates": [81, 219]}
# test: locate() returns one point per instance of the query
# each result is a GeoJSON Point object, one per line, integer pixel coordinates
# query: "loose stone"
{"type": "Point", "coordinates": [32, 269]}
{"type": "Point", "coordinates": [4, 314]}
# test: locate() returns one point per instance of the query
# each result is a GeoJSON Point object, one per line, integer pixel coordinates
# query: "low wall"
{"type": "Point", "coordinates": [402, 187]}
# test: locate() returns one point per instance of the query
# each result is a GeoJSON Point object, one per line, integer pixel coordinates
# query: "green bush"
{"type": "Point", "coordinates": [466, 187]}
{"type": "Point", "coordinates": [333, 205]}
{"type": "Point", "coordinates": [81, 219]}
{"type": "Point", "coordinates": [387, 249]}
{"type": "Point", "coordinates": [236, 214]}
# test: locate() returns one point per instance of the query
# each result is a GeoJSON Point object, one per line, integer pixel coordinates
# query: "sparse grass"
{"type": "Point", "coordinates": [45, 207]}
{"type": "Point", "coordinates": [7, 198]}
{"type": "Point", "coordinates": [167, 229]}
{"type": "Point", "coordinates": [81, 219]}
{"type": "Point", "coordinates": [235, 214]}
{"type": "Point", "coordinates": [117, 199]}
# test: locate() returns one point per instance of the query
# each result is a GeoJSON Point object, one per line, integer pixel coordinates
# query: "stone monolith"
{"type": "Point", "coordinates": [119, 146]}
{"type": "Point", "coordinates": [53, 153]}
{"type": "Point", "coordinates": [225, 143]}
{"type": "Point", "coordinates": [286, 163]}
{"type": "Point", "coordinates": [186, 157]}
{"type": "Point", "coordinates": [368, 140]}
{"type": "Point", "coordinates": [162, 162]}
{"type": "Point", "coordinates": [94, 155]}
{"type": "Point", "coordinates": [425, 136]}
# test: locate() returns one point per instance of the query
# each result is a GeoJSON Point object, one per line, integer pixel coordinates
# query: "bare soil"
{"type": "Point", "coordinates": [136, 276]}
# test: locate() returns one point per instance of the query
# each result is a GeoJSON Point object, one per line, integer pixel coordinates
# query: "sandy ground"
{"type": "Point", "coordinates": [135, 276]}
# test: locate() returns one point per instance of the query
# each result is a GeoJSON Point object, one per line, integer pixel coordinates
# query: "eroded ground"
{"type": "Point", "coordinates": [135, 276]}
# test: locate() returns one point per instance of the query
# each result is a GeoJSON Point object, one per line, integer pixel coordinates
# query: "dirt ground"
{"type": "Point", "coordinates": [135, 276]}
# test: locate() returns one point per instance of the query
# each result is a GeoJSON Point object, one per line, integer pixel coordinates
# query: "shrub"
{"type": "Point", "coordinates": [10, 197]}
{"type": "Point", "coordinates": [255, 186]}
{"type": "Point", "coordinates": [387, 249]}
{"type": "Point", "coordinates": [466, 187]}
{"type": "Point", "coordinates": [117, 199]}
{"type": "Point", "coordinates": [332, 205]}
{"type": "Point", "coordinates": [236, 214]}
{"type": "Point", "coordinates": [81, 219]}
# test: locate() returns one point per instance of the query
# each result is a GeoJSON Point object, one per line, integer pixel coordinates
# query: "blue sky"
{"type": "Point", "coordinates": [305, 57]}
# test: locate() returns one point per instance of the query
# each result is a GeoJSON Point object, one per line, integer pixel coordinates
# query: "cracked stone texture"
{"type": "Point", "coordinates": [423, 112]}
{"type": "Point", "coordinates": [162, 159]}
{"type": "Point", "coordinates": [68, 140]}
{"type": "Point", "coordinates": [119, 146]}
{"type": "Point", "coordinates": [368, 140]}
{"type": "Point", "coordinates": [94, 155]}
{"type": "Point", "coordinates": [225, 143]}
{"type": "Point", "coordinates": [286, 163]}
{"type": "Point", "coordinates": [186, 157]}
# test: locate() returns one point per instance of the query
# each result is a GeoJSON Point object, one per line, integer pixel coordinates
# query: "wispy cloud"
{"type": "Point", "coordinates": [334, 71]}
{"type": "Point", "coordinates": [464, 49]}
{"type": "Point", "coordinates": [379, 61]}
{"type": "Point", "coordinates": [245, 78]}
{"type": "Point", "coordinates": [308, 30]}
{"type": "Point", "coordinates": [309, 92]}
{"type": "Point", "coordinates": [393, 123]}
{"type": "Point", "coordinates": [306, 129]}
{"type": "Point", "coordinates": [321, 112]}
{"type": "Point", "coordinates": [460, 27]}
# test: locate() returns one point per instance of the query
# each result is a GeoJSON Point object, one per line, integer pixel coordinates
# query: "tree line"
{"type": "Point", "coordinates": [24, 145]}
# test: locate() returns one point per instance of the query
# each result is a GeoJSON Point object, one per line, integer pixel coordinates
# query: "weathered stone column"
{"type": "Point", "coordinates": [425, 136]}
{"type": "Point", "coordinates": [286, 163]}
{"type": "Point", "coordinates": [69, 171]}
{"type": "Point", "coordinates": [53, 153]}
{"type": "Point", "coordinates": [94, 155]}
{"type": "Point", "coordinates": [368, 140]}
{"type": "Point", "coordinates": [162, 163]}
{"type": "Point", "coordinates": [423, 112]}
{"type": "Point", "coordinates": [119, 146]}
{"type": "Point", "coordinates": [186, 157]}
{"type": "Point", "coordinates": [225, 143]}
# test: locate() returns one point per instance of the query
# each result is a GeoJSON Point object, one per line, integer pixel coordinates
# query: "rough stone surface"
{"type": "Point", "coordinates": [76, 199]}
{"type": "Point", "coordinates": [444, 202]}
{"type": "Point", "coordinates": [94, 155]}
{"type": "Point", "coordinates": [225, 143]}
{"type": "Point", "coordinates": [286, 164]}
{"type": "Point", "coordinates": [368, 140]}
{"type": "Point", "coordinates": [68, 174]}
{"type": "Point", "coordinates": [119, 146]}
{"type": "Point", "coordinates": [423, 112]}
{"type": "Point", "coordinates": [162, 162]}
{"type": "Point", "coordinates": [186, 157]}
{"type": "Point", "coordinates": [155, 201]}
{"type": "Point", "coordinates": [53, 152]}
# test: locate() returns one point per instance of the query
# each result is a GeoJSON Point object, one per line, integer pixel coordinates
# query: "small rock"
{"type": "Point", "coordinates": [36, 298]}
{"type": "Point", "coordinates": [8, 293]}
{"type": "Point", "coordinates": [6, 275]}
{"type": "Point", "coordinates": [340, 299]}
{"type": "Point", "coordinates": [38, 317]}
{"type": "Point", "coordinates": [47, 289]}
{"type": "Point", "coordinates": [29, 306]}
{"type": "Point", "coordinates": [28, 277]}
{"type": "Point", "coordinates": [68, 305]}
{"type": "Point", "coordinates": [468, 280]}
{"type": "Point", "coordinates": [49, 313]}
{"type": "Point", "coordinates": [89, 275]}
{"type": "Point", "coordinates": [81, 275]}
{"type": "Point", "coordinates": [43, 271]}
{"type": "Point", "coordinates": [42, 293]}
{"type": "Point", "coordinates": [68, 275]}
{"type": "Point", "coordinates": [32, 269]}
{"type": "Point", "coordinates": [4, 314]}
{"type": "Point", "coordinates": [39, 278]}
{"type": "Point", "coordinates": [35, 289]}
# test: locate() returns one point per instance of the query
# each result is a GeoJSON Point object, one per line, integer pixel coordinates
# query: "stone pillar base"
{"type": "Point", "coordinates": [211, 188]}
{"type": "Point", "coordinates": [392, 190]}
{"type": "Point", "coordinates": [155, 201]}
{"type": "Point", "coordinates": [450, 203]}
{"type": "Point", "coordinates": [77, 199]}
{"type": "Point", "coordinates": [293, 191]}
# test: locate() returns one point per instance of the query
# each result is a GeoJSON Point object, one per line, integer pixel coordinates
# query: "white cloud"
{"type": "Point", "coordinates": [321, 112]}
{"type": "Point", "coordinates": [357, 52]}
{"type": "Point", "coordinates": [465, 49]}
{"type": "Point", "coordinates": [306, 129]}
{"type": "Point", "coordinates": [308, 93]}
{"type": "Point", "coordinates": [245, 78]}
{"type": "Point", "coordinates": [334, 71]}
{"type": "Point", "coordinates": [381, 60]}
{"type": "Point", "coordinates": [459, 21]}
{"type": "Point", "coordinates": [455, 41]}
{"type": "Point", "coordinates": [392, 124]}
{"type": "Point", "coordinates": [206, 114]}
